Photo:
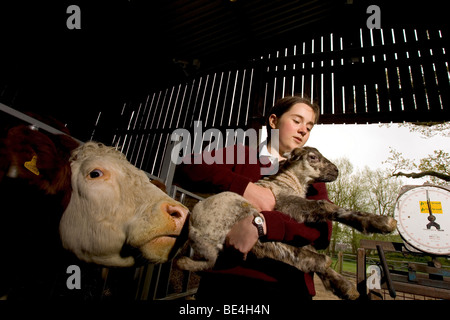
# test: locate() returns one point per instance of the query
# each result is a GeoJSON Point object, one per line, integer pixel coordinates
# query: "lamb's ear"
{"type": "Point", "coordinates": [287, 155]}
{"type": "Point", "coordinates": [294, 155]}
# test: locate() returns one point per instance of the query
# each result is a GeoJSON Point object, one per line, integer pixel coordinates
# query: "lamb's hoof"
{"type": "Point", "coordinates": [328, 262]}
{"type": "Point", "coordinates": [392, 224]}
{"type": "Point", "coordinates": [383, 224]}
{"type": "Point", "coordinates": [183, 263]}
{"type": "Point", "coordinates": [348, 293]}
{"type": "Point", "coordinates": [352, 294]}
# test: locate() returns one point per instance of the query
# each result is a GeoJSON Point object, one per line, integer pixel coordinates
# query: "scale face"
{"type": "Point", "coordinates": [423, 219]}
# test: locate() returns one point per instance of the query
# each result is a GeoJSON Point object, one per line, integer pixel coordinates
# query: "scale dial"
{"type": "Point", "coordinates": [423, 219]}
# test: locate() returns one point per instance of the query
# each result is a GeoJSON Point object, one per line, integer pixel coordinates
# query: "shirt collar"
{"type": "Point", "coordinates": [264, 152]}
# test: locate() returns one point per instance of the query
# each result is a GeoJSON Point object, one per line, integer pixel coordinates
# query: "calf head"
{"type": "Point", "coordinates": [40, 160]}
{"type": "Point", "coordinates": [310, 165]}
{"type": "Point", "coordinates": [114, 206]}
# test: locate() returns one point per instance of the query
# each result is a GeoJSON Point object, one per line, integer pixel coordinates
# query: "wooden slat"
{"type": "Point", "coordinates": [421, 290]}
{"type": "Point", "coordinates": [327, 93]}
{"type": "Point", "coordinates": [392, 72]}
{"type": "Point", "coordinates": [361, 273]}
{"type": "Point", "coordinates": [405, 76]}
{"type": "Point", "coordinates": [416, 73]}
{"type": "Point", "coordinates": [428, 70]}
{"type": "Point", "coordinates": [387, 246]}
{"type": "Point", "coordinates": [441, 64]}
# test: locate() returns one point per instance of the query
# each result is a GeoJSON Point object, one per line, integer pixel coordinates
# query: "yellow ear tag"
{"type": "Point", "coordinates": [31, 165]}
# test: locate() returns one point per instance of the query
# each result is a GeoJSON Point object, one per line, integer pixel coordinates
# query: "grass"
{"type": "Point", "coordinates": [347, 266]}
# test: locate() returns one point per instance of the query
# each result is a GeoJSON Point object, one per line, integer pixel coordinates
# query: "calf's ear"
{"type": "Point", "coordinates": [160, 185]}
{"type": "Point", "coordinates": [65, 144]}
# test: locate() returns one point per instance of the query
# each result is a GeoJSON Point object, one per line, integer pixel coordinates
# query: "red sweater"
{"type": "Point", "coordinates": [280, 227]}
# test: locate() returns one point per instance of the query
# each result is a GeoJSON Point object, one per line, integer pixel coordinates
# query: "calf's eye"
{"type": "Point", "coordinates": [95, 173]}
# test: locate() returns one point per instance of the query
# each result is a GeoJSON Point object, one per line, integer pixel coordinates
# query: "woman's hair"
{"type": "Point", "coordinates": [283, 105]}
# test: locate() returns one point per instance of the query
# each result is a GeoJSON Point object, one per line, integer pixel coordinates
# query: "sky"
{"type": "Point", "coordinates": [368, 144]}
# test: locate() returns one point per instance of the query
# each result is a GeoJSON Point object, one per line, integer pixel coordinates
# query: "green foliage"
{"type": "Point", "coordinates": [436, 166]}
{"type": "Point", "coordinates": [373, 191]}
{"type": "Point", "coordinates": [428, 129]}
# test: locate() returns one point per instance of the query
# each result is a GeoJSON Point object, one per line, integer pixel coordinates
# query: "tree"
{"type": "Point", "coordinates": [428, 129]}
{"type": "Point", "coordinates": [383, 192]}
{"type": "Point", "coordinates": [373, 191]}
{"type": "Point", "coordinates": [436, 165]}
{"type": "Point", "coordinates": [346, 193]}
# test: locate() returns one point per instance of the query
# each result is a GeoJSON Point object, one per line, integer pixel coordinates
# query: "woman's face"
{"type": "Point", "coordinates": [294, 126]}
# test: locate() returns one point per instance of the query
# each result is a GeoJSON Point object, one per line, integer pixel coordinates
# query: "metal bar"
{"type": "Point", "coordinates": [168, 167]}
{"type": "Point", "coordinates": [217, 101]}
{"type": "Point", "coordinates": [186, 192]}
{"type": "Point", "coordinates": [386, 272]}
{"type": "Point", "coordinates": [210, 99]}
{"type": "Point", "coordinates": [30, 120]}
{"type": "Point", "coordinates": [249, 96]}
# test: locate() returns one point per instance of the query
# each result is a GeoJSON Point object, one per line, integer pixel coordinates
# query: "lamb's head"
{"type": "Point", "coordinates": [310, 165]}
{"type": "Point", "coordinates": [115, 213]}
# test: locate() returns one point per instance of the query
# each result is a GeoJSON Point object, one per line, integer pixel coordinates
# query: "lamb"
{"type": "Point", "coordinates": [303, 166]}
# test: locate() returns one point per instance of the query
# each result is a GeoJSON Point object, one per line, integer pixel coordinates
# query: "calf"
{"type": "Point", "coordinates": [113, 205]}
{"type": "Point", "coordinates": [110, 215]}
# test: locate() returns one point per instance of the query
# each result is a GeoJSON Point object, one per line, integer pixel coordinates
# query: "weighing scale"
{"type": "Point", "coordinates": [423, 218]}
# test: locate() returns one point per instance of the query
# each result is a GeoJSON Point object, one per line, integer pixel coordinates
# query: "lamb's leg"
{"type": "Point", "coordinates": [339, 285]}
{"type": "Point", "coordinates": [204, 249]}
{"type": "Point", "coordinates": [365, 222]}
{"type": "Point", "coordinates": [305, 258]}
{"type": "Point", "coordinates": [186, 263]}
{"type": "Point", "coordinates": [304, 210]}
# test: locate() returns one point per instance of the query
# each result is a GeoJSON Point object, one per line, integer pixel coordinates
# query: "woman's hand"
{"type": "Point", "coordinates": [244, 235]}
{"type": "Point", "coordinates": [262, 198]}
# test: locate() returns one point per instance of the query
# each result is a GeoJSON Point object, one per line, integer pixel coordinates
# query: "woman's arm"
{"type": "Point", "coordinates": [260, 197]}
{"type": "Point", "coordinates": [282, 228]}
{"type": "Point", "coordinates": [196, 175]}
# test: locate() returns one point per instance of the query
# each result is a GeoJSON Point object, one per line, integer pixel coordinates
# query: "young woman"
{"type": "Point", "coordinates": [237, 273]}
